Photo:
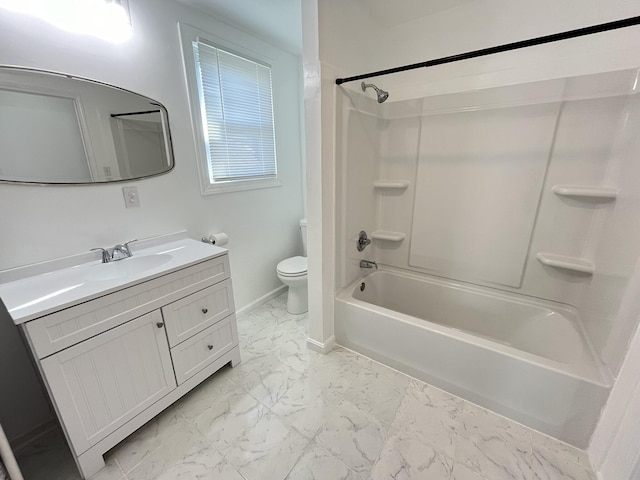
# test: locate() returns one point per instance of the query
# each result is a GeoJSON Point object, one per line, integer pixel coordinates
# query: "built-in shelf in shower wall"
{"type": "Point", "coordinates": [575, 264]}
{"type": "Point", "coordinates": [387, 236]}
{"type": "Point", "coordinates": [391, 184]}
{"type": "Point", "coordinates": [392, 187]}
{"type": "Point", "coordinates": [582, 191]}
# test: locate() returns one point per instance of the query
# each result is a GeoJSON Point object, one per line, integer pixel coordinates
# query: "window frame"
{"type": "Point", "coordinates": [188, 35]}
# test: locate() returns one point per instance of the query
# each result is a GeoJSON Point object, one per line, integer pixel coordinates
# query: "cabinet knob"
{"type": "Point", "coordinates": [210, 347]}
{"type": "Point", "coordinates": [160, 324]}
{"type": "Point", "coordinates": [205, 310]}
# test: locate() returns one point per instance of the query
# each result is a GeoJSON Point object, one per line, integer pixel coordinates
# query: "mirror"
{"type": "Point", "coordinates": [59, 129]}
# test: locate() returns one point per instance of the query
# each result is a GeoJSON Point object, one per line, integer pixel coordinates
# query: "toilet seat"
{"type": "Point", "coordinates": [293, 267]}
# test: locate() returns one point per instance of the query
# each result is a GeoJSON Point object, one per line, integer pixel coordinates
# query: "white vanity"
{"type": "Point", "coordinates": [117, 343]}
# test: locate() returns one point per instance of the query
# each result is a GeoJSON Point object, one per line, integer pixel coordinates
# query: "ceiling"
{"type": "Point", "coordinates": [390, 14]}
{"type": "Point", "coordinates": [278, 21]}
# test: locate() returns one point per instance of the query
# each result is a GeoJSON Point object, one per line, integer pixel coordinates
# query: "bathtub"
{"type": "Point", "coordinates": [527, 359]}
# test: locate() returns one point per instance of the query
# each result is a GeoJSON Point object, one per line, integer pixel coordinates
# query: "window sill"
{"type": "Point", "coordinates": [239, 185]}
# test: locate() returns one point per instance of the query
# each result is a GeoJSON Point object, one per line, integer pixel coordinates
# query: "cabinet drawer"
{"type": "Point", "coordinates": [102, 383]}
{"type": "Point", "coordinates": [194, 313]}
{"type": "Point", "coordinates": [197, 352]}
{"type": "Point", "coordinates": [59, 330]}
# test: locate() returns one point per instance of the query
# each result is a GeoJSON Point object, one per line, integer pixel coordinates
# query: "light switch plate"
{"type": "Point", "coordinates": [131, 198]}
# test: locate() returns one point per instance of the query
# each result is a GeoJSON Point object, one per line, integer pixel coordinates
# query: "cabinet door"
{"type": "Point", "coordinates": [101, 383]}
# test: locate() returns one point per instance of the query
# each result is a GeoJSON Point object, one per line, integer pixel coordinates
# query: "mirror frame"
{"type": "Point", "coordinates": [169, 140]}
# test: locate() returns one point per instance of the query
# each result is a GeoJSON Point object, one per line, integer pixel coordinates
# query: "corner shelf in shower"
{"type": "Point", "coordinates": [576, 264]}
{"type": "Point", "coordinates": [391, 184]}
{"type": "Point", "coordinates": [603, 193]}
{"type": "Point", "coordinates": [387, 236]}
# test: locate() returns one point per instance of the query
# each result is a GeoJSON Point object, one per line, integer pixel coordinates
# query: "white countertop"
{"type": "Point", "coordinates": [35, 290]}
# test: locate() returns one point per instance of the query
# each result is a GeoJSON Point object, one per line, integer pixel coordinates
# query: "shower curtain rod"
{"type": "Point", "coordinates": [580, 32]}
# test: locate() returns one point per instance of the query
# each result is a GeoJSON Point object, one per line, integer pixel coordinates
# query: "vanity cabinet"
{"type": "Point", "coordinates": [114, 360]}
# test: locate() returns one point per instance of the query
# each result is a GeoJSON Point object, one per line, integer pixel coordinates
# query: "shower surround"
{"type": "Point", "coordinates": [521, 194]}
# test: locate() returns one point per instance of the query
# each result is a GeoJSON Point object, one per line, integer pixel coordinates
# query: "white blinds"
{"type": "Point", "coordinates": [237, 115]}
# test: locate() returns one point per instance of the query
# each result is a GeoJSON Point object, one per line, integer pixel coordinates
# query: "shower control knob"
{"type": "Point", "coordinates": [210, 347]}
{"type": "Point", "coordinates": [205, 310]}
{"type": "Point", "coordinates": [160, 324]}
{"type": "Point", "coordinates": [363, 241]}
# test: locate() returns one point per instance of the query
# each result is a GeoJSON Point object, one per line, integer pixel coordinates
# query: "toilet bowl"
{"type": "Point", "coordinates": [293, 273]}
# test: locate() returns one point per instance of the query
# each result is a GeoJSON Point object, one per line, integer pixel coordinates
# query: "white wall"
{"type": "Point", "coordinates": [475, 25]}
{"type": "Point", "coordinates": [40, 223]}
{"type": "Point", "coordinates": [335, 37]}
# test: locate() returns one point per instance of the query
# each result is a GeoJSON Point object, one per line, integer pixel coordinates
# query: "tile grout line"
{"type": "Point", "coordinates": [386, 438]}
{"type": "Point", "coordinates": [297, 460]}
{"type": "Point", "coordinates": [124, 474]}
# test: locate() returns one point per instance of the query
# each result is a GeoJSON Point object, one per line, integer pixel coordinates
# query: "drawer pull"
{"type": "Point", "coordinates": [159, 324]}
{"type": "Point", "coordinates": [210, 347]}
{"type": "Point", "coordinates": [205, 310]}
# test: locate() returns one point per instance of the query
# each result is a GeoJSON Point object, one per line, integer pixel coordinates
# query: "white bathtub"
{"type": "Point", "coordinates": [526, 359]}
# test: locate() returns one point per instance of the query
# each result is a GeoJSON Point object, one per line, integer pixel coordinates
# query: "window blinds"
{"type": "Point", "coordinates": [237, 115]}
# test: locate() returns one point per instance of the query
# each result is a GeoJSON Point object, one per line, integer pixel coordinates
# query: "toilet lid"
{"type": "Point", "coordinates": [293, 266]}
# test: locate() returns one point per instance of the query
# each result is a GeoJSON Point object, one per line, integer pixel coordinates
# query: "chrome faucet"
{"type": "Point", "coordinates": [368, 264]}
{"type": "Point", "coordinates": [119, 252]}
{"type": "Point", "coordinates": [106, 258]}
{"type": "Point", "coordinates": [363, 241]}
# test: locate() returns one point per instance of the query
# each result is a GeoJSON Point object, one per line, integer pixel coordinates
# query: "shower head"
{"type": "Point", "coordinates": [382, 95]}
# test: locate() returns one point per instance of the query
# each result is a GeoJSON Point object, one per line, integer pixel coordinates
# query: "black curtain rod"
{"type": "Point", "coordinates": [134, 113]}
{"type": "Point", "coordinates": [580, 32]}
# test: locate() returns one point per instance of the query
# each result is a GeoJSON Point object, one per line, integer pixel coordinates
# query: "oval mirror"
{"type": "Point", "coordinates": [60, 129]}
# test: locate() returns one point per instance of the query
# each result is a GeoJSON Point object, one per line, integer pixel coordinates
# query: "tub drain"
{"type": "Point", "coordinates": [362, 287]}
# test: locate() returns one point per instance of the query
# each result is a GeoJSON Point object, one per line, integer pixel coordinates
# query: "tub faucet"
{"type": "Point", "coordinates": [368, 264]}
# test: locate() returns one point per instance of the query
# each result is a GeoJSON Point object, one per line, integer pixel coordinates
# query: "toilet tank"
{"type": "Point", "coordinates": [303, 232]}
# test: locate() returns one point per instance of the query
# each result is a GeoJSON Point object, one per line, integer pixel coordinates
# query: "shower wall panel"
{"type": "Point", "coordinates": [590, 121]}
{"type": "Point", "coordinates": [358, 162]}
{"type": "Point", "coordinates": [610, 304]}
{"type": "Point", "coordinates": [479, 180]}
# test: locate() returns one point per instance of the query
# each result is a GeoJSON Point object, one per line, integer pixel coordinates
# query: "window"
{"type": "Point", "coordinates": [236, 111]}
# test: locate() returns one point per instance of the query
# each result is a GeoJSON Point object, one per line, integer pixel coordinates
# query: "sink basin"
{"type": "Point", "coordinates": [126, 267]}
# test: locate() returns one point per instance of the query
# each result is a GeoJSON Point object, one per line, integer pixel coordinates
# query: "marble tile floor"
{"type": "Point", "coordinates": [287, 412]}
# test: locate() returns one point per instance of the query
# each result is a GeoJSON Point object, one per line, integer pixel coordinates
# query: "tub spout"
{"type": "Point", "coordinates": [368, 264]}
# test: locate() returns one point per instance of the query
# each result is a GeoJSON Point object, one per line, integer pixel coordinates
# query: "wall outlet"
{"type": "Point", "coordinates": [131, 198]}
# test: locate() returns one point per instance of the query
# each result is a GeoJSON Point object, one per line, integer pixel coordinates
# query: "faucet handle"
{"type": "Point", "coordinates": [362, 241]}
{"type": "Point", "coordinates": [126, 245]}
{"type": "Point", "coordinates": [106, 258]}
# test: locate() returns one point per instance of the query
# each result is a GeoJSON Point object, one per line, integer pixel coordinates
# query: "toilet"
{"type": "Point", "coordinates": [293, 273]}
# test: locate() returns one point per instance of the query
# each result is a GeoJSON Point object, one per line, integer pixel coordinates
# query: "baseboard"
{"type": "Point", "coordinates": [322, 347]}
{"type": "Point", "coordinates": [241, 312]}
{"type": "Point", "coordinates": [21, 442]}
